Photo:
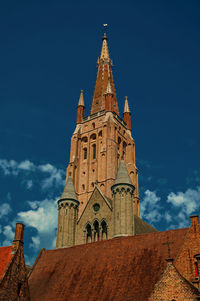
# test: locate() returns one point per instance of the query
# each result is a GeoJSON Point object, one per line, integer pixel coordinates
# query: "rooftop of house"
{"type": "Point", "coordinates": [114, 269]}
{"type": "Point", "coordinates": [6, 256]}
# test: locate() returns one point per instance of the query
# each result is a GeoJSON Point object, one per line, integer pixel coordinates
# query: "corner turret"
{"type": "Point", "coordinates": [67, 216]}
{"type": "Point", "coordinates": [122, 190]}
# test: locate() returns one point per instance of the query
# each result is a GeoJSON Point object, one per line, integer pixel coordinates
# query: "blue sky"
{"type": "Point", "coordinates": [48, 53]}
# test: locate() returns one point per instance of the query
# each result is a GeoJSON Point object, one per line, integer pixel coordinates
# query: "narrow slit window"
{"type": "Point", "coordinates": [94, 151]}
{"type": "Point", "coordinates": [85, 153]}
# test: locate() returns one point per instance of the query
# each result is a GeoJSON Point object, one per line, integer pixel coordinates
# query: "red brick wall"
{"type": "Point", "coordinates": [172, 287]}
{"type": "Point", "coordinates": [15, 274]}
{"type": "Point", "coordinates": [191, 247]}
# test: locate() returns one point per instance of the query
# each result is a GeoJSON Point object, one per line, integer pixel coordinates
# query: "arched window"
{"type": "Point", "coordinates": [100, 134]}
{"type": "Point", "coordinates": [119, 143]}
{"type": "Point", "coordinates": [104, 230]}
{"type": "Point", "coordinates": [85, 153]}
{"type": "Point", "coordinates": [94, 151]}
{"type": "Point", "coordinates": [124, 145]}
{"type": "Point", "coordinates": [84, 139]}
{"type": "Point", "coordinates": [88, 233]}
{"type": "Point", "coordinates": [124, 149]}
{"type": "Point", "coordinates": [93, 125]}
{"type": "Point", "coordinates": [93, 137]}
{"type": "Point", "coordinates": [96, 230]}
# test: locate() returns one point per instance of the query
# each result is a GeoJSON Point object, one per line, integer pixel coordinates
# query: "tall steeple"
{"type": "Point", "coordinates": [101, 139]}
{"type": "Point", "coordinates": [104, 76]}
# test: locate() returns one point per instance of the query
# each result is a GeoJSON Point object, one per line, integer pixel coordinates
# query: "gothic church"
{"type": "Point", "coordinates": [104, 250]}
{"type": "Point", "coordinates": [101, 196]}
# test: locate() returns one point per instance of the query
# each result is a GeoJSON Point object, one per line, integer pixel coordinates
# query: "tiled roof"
{"type": "Point", "coordinates": [5, 258]}
{"type": "Point", "coordinates": [141, 227]}
{"type": "Point", "coordinates": [119, 269]}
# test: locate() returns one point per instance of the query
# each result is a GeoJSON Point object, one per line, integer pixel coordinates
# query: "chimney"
{"type": "Point", "coordinates": [19, 234]}
{"type": "Point", "coordinates": [194, 222]}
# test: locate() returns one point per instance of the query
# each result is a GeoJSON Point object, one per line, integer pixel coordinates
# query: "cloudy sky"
{"type": "Point", "coordinates": [48, 53]}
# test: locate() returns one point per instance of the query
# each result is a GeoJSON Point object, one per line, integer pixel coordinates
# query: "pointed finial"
{"type": "Point", "coordinates": [126, 106]}
{"type": "Point", "coordinates": [105, 28]}
{"type": "Point", "coordinates": [104, 50]}
{"type": "Point", "coordinates": [81, 99]}
{"type": "Point", "coordinates": [104, 36]}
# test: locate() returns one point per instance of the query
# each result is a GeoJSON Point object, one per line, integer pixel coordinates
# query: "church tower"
{"type": "Point", "coordinates": [101, 139]}
{"type": "Point", "coordinates": [101, 196]}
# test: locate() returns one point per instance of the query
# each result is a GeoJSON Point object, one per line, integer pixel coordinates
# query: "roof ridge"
{"type": "Point", "coordinates": [10, 262]}
{"type": "Point", "coordinates": [36, 261]}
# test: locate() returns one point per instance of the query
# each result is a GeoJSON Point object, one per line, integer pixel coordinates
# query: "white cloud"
{"type": "Point", "coordinates": [43, 217]}
{"type": "Point", "coordinates": [8, 167]}
{"type": "Point", "coordinates": [29, 184]}
{"type": "Point", "coordinates": [9, 235]}
{"type": "Point", "coordinates": [34, 205]}
{"type": "Point", "coordinates": [35, 244]}
{"type": "Point", "coordinates": [187, 203]}
{"type": "Point", "coordinates": [179, 206]}
{"type": "Point", "coordinates": [150, 207]}
{"type": "Point", "coordinates": [26, 165]}
{"type": "Point", "coordinates": [5, 209]}
{"type": "Point", "coordinates": [168, 217]}
{"type": "Point", "coordinates": [56, 176]}
{"type": "Point", "coordinates": [53, 176]}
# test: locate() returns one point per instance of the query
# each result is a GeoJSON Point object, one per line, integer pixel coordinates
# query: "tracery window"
{"type": "Point", "coordinates": [96, 231]}
{"type": "Point", "coordinates": [104, 227]}
{"type": "Point", "coordinates": [88, 233]}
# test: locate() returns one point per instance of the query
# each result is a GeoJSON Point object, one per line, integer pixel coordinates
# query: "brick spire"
{"type": "Point", "coordinates": [127, 113]}
{"type": "Point", "coordinates": [80, 109]}
{"type": "Point", "coordinates": [104, 79]}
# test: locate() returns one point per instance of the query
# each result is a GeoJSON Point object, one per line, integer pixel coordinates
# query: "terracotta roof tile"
{"type": "Point", "coordinates": [5, 258]}
{"type": "Point", "coordinates": [115, 269]}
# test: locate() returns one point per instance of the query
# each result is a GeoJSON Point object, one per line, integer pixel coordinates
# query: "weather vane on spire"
{"type": "Point", "coordinates": [105, 29]}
